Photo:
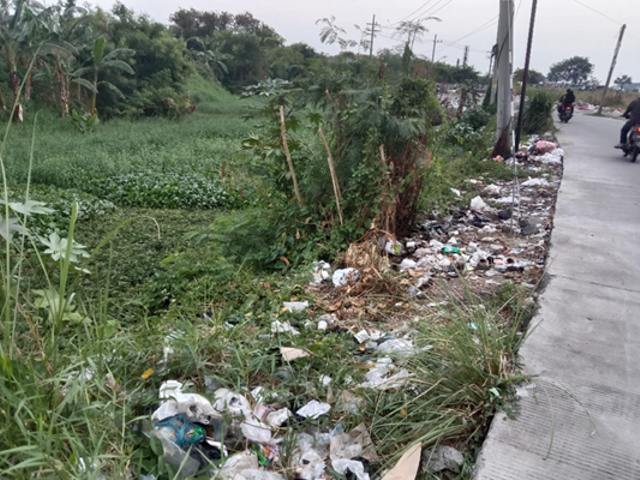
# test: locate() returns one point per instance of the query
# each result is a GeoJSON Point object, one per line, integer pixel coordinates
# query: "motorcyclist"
{"type": "Point", "coordinates": [568, 99]}
{"type": "Point", "coordinates": [632, 113]}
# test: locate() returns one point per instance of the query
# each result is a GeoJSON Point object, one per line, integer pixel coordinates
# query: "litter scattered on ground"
{"type": "Point", "coordinates": [442, 458]}
{"type": "Point", "coordinates": [356, 443]}
{"type": "Point", "coordinates": [321, 273]}
{"type": "Point", "coordinates": [345, 276]}
{"type": "Point", "coordinates": [314, 409]}
{"type": "Point", "coordinates": [296, 306]}
{"type": "Point", "coordinates": [283, 327]}
{"type": "Point", "coordinates": [290, 354]}
{"type": "Point", "coordinates": [379, 376]}
{"type": "Point", "coordinates": [500, 236]}
{"type": "Point", "coordinates": [478, 204]}
{"type": "Point", "coordinates": [194, 407]}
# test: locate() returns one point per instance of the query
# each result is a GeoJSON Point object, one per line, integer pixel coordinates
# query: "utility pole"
{"type": "Point", "coordinates": [505, 81]}
{"type": "Point", "coordinates": [525, 75]}
{"type": "Point", "coordinates": [466, 57]}
{"type": "Point", "coordinates": [435, 42]}
{"type": "Point", "coordinates": [457, 63]}
{"type": "Point", "coordinates": [373, 32]}
{"type": "Point", "coordinates": [613, 66]}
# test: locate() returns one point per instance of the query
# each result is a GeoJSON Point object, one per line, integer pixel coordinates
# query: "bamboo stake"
{"type": "Point", "coordinates": [334, 177]}
{"type": "Point", "coordinates": [288, 155]}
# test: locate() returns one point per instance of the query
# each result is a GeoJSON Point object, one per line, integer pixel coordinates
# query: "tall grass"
{"type": "Point", "coordinates": [613, 99]}
{"type": "Point", "coordinates": [538, 112]}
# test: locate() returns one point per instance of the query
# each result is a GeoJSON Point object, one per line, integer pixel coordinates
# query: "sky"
{"type": "Point", "coordinates": [564, 28]}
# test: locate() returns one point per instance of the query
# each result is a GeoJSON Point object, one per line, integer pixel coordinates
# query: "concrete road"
{"type": "Point", "coordinates": [580, 418]}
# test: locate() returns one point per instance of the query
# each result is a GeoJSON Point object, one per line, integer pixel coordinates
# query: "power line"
{"type": "Point", "coordinates": [410, 15]}
{"type": "Point", "coordinates": [443, 6]}
{"type": "Point", "coordinates": [518, 9]}
{"type": "Point", "coordinates": [598, 12]}
{"type": "Point", "coordinates": [484, 26]}
{"type": "Point", "coordinates": [432, 7]}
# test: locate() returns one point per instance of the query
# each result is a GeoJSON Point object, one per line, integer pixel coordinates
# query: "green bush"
{"type": "Point", "coordinates": [160, 190]}
{"type": "Point", "coordinates": [538, 112]}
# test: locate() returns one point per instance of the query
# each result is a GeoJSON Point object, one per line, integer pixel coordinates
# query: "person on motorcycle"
{"type": "Point", "coordinates": [568, 99]}
{"type": "Point", "coordinates": [633, 115]}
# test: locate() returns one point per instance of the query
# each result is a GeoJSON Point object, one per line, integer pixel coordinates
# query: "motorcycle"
{"type": "Point", "coordinates": [632, 147]}
{"type": "Point", "coordinates": [565, 113]}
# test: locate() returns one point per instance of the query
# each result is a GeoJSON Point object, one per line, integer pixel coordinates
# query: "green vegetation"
{"type": "Point", "coordinates": [165, 231]}
{"type": "Point", "coordinates": [574, 71]}
{"type": "Point", "coordinates": [538, 108]}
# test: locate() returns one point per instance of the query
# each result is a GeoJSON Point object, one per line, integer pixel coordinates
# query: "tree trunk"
{"type": "Point", "coordinates": [63, 85]}
{"type": "Point", "coordinates": [15, 86]}
{"type": "Point", "coordinates": [27, 87]}
{"type": "Point", "coordinates": [3, 102]}
{"type": "Point", "coordinates": [95, 92]}
{"type": "Point", "coordinates": [15, 89]}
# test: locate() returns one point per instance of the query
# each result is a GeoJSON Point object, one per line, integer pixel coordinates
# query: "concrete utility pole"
{"type": "Point", "coordinates": [466, 57]}
{"type": "Point", "coordinates": [505, 80]}
{"type": "Point", "coordinates": [435, 43]}
{"type": "Point", "coordinates": [613, 66]}
{"type": "Point", "coordinates": [525, 75]}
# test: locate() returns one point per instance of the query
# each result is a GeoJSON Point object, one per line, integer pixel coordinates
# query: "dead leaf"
{"type": "Point", "coordinates": [408, 465]}
{"type": "Point", "coordinates": [415, 273]}
{"type": "Point", "coordinates": [286, 262]}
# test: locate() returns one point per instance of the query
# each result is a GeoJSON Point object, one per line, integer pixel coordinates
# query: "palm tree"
{"type": "Point", "coordinates": [413, 29]}
{"type": "Point", "coordinates": [100, 63]}
{"type": "Point", "coordinates": [64, 29]}
{"type": "Point", "coordinates": [17, 24]}
{"type": "Point", "coordinates": [210, 55]}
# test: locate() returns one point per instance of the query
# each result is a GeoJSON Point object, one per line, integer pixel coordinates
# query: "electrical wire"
{"type": "Point", "coordinates": [484, 26]}
{"type": "Point", "coordinates": [596, 11]}
{"type": "Point", "coordinates": [410, 15]}
{"type": "Point", "coordinates": [443, 6]}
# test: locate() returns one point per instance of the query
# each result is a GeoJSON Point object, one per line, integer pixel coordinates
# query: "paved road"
{"type": "Point", "coordinates": [580, 419]}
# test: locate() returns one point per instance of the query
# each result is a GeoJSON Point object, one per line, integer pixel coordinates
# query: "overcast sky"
{"type": "Point", "coordinates": [564, 28]}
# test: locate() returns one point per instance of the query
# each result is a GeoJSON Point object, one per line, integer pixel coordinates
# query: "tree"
{"type": "Point", "coordinates": [535, 78]}
{"type": "Point", "coordinates": [101, 62]}
{"type": "Point", "coordinates": [622, 80]}
{"type": "Point", "coordinates": [65, 31]}
{"type": "Point", "coordinates": [331, 33]}
{"type": "Point", "coordinates": [575, 71]}
{"type": "Point", "coordinates": [17, 24]}
{"type": "Point", "coordinates": [413, 29]}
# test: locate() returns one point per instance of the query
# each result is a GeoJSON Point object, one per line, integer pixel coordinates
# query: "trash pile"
{"type": "Point", "coordinates": [501, 235]}
{"type": "Point", "coordinates": [233, 438]}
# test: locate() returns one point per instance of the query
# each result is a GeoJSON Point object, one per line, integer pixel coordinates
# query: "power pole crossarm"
{"type": "Point", "coordinates": [613, 66]}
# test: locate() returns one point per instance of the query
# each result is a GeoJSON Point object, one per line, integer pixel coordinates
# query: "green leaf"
{"type": "Point", "coordinates": [30, 207]}
{"type": "Point", "coordinates": [156, 446]}
{"type": "Point", "coordinates": [86, 84]}
{"type": "Point", "coordinates": [98, 49]}
{"type": "Point", "coordinates": [118, 64]}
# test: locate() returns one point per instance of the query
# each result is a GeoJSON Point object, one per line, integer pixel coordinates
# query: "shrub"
{"type": "Point", "coordinates": [538, 110]}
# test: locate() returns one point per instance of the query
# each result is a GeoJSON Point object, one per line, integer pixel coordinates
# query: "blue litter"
{"type": "Point", "coordinates": [181, 431]}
